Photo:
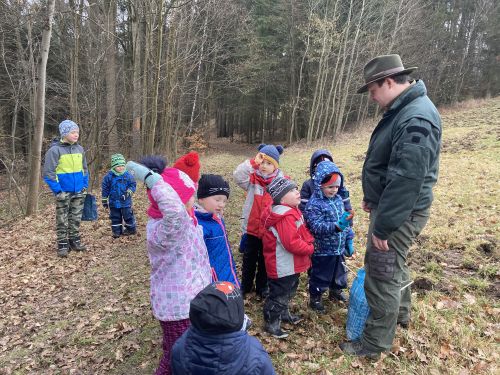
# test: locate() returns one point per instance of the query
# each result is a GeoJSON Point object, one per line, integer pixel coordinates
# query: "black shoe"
{"type": "Point", "coordinates": [316, 304]}
{"type": "Point", "coordinates": [116, 235]}
{"type": "Point", "coordinates": [337, 295]}
{"type": "Point", "coordinates": [274, 329]}
{"type": "Point", "coordinates": [356, 348]}
{"type": "Point", "coordinates": [404, 325]}
{"type": "Point", "coordinates": [128, 232]}
{"type": "Point", "coordinates": [62, 249]}
{"type": "Point", "coordinates": [263, 294]}
{"type": "Point", "coordinates": [288, 317]}
{"type": "Point", "coordinates": [76, 245]}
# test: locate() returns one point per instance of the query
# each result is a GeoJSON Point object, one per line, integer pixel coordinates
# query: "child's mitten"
{"type": "Point", "coordinates": [105, 202]}
{"type": "Point", "coordinates": [344, 221]}
{"type": "Point", "coordinates": [349, 248]}
{"type": "Point", "coordinates": [141, 173]}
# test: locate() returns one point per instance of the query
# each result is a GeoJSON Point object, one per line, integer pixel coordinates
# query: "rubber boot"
{"type": "Point", "coordinates": [273, 327]}
{"type": "Point", "coordinates": [337, 295]}
{"type": "Point", "coordinates": [76, 245]}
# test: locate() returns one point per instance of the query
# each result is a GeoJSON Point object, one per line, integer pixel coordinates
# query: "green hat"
{"type": "Point", "coordinates": [117, 160]}
{"type": "Point", "coordinates": [382, 67]}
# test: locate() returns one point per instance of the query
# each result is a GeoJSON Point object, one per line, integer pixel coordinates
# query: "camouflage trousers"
{"type": "Point", "coordinates": [69, 208]}
{"type": "Point", "coordinates": [386, 276]}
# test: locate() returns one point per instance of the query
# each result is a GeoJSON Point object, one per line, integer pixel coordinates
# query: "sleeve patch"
{"type": "Point", "coordinates": [418, 129]}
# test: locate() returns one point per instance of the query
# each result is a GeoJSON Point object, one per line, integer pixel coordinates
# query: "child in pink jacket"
{"type": "Point", "coordinates": [179, 260]}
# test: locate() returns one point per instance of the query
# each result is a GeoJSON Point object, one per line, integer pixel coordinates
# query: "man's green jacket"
{"type": "Point", "coordinates": [402, 160]}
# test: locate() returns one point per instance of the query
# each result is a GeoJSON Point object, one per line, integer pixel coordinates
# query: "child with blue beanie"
{"type": "Point", "coordinates": [253, 176]}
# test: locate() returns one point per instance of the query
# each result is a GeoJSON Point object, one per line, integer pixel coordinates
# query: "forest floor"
{"type": "Point", "coordinates": [90, 313]}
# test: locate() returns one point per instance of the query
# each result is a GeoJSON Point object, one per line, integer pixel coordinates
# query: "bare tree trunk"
{"type": "Point", "coordinates": [111, 76]}
{"type": "Point", "coordinates": [36, 151]}
{"type": "Point", "coordinates": [136, 16]}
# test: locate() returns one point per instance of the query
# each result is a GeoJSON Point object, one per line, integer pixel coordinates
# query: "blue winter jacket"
{"type": "Point", "coordinates": [308, 186]}
{"type": "Point", "coordinates": [219, 250]}
{"type": "Point", "coordinates": [115, 189]}
{"type": "Point", "coordinates": [197, 353]}
{"type": "Point", "coordinates": [322, 214]}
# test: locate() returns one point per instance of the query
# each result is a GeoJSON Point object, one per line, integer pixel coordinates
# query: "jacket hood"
{"type": "Point", "coordinates": [315, 156]}
{"type": "Point", "coordinates": [59, 142]}
{"type": "Point", "coordinates": [279, 213]}
{"type": "Point", "coordinates": [322, 170]}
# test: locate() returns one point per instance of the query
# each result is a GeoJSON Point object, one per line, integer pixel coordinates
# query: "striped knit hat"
{"type": "Point", "coordinates": [117, 160]}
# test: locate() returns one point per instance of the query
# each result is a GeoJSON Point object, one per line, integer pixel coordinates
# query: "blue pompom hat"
{"type": "Point", "coordinates": [271, 153]}
{"type": "Point", "coordinates": [66, 127]}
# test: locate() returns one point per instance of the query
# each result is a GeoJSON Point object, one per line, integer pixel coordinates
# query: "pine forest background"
{"type": "Point", "coordinates": [157, 76]}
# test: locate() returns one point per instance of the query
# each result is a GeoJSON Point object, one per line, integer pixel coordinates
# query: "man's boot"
{"type": "Point", "coordinates": [273, 327]}
{"type": "Point", "coordinates": [288, 317]}
{"type": "Point", "coordinates": [62, 248]}
{"type": "Point", "coordinates": [76, 245]}
{"type": "Point", "coordinates": [316, 304]}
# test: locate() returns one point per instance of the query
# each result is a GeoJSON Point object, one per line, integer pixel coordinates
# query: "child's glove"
{"type": "Point", "coordinates": [259, 158]}
{"type": "Point", "coordinates": [143, 174]}
{"type": "Point", "coordinates": [105, 202]}
{"type": "Point", "coordinates": [349, 248]}
{"type": "Point", "coordinates": [243, 243]}
{"type": "Point", "coordinates": [344, 221]}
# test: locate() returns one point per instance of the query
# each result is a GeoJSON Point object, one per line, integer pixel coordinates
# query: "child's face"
{"type": "Point", "coordinates": [214, 204]}
{"type": "Point", "coordinates": [330, 190]}
{"type": "Point", "coordinates": [292, 198]}
{"type": "Point", "coordinates": [190, 203]}
{"type": "Point", "coordinates": [120, 168]}
{"type": "Point", "coordinates": [266, 167]}
{"type": "Point", "coordinates": [72, 136]}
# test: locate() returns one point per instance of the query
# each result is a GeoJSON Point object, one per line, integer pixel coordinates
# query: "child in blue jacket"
{"type": "Point", "coordinates": [117, 188]}
{"type": "Point", "coordinates": [329, 223]}
{"type": "Point", "coordinates": [213, 193]}
{"type": "Point", "coordinates": [217, 342]}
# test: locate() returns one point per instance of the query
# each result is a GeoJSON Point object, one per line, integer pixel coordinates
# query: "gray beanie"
{"type": "Point", "coordinates": [279, 187]}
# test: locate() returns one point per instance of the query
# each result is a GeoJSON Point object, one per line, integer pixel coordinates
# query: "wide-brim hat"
{"type": "Point", "coordinates": [382, 67]}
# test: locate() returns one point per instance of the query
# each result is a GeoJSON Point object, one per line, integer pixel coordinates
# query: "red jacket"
{"type": "Point", "coordinates": [288, 244]}
{"type": "Point", "coordinates": [249, 178]}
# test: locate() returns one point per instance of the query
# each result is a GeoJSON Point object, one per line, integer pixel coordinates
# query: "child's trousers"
{"type": "Point", "coordinates": [327, 272]}
{"type": "Point", "coordinates": [281, 291]}
{"type": "Point", "coordinates": [68, 216]}
{"type": "Point", "coordinates": [253, 266]}
{"type": "Point", "coordinates": [171, 332]}
{"type": "Point", "coordinates": [119, 216]}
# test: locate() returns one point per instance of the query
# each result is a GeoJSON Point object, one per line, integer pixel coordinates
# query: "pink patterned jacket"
{"type": "Point", "coordinates": [179, 260]}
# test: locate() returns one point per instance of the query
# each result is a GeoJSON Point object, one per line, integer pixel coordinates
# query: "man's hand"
{"type": "Point", "coordinates": [380, 244]}
{"type": "Point", "coordinates": [365, 207]}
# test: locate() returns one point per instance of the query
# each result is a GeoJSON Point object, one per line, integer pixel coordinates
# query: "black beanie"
{"type": "Point", "coordinates": [218, 309]}
{"type": "Point", "coordinates": [279, 187]}
{"type": "Point", "coordinates": [212, 184]}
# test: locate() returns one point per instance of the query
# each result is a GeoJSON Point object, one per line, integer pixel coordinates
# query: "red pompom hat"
{"type": "Point", "coordinates": [190, 165]}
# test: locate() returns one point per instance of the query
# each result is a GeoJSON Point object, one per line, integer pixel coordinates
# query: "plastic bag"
{"type": "Point", "coordinates": [358, 310]}
{"type": "Point", "coordinates": [89, 212]}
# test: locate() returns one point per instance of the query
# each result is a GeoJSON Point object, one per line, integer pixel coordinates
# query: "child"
{"type": "Point", "coordinates": [308, 186]}
{"type": "Point", "coordinates": [253, 176]}
{"type": "Point", "coordinates": [217, 341]}
{"type": "Point", "coordinates": [65, 171]}
{"type": "Point", "coordinates": [117, 188]}
{"type": "Point", "coordinates": [330, 225]}
{"type": "Point", "coordinates": [177, 253]}
{"type": "Point", "coordinates": [213, 193]}
{"type": "Point", "coordinates": [287, 249]}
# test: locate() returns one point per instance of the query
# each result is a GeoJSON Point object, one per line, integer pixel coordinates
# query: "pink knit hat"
{"type": "Point", "coordinates": [180, 182]}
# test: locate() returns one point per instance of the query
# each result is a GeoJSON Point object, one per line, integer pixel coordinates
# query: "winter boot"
{"type": "Point", "coordinates": [288, 317]}
{"type": "Point", "coordinates": [75, 244]}
{"type": "Point", "coordinates": [316, 304]}
{"type": "Point", "coordinates": [273, 327]}
{"type": "Point", "coordinates": [129, 232]}
{"type": "Point", "coordinates": [62, 248]}
{"type": "Point", "coordinates": [337, 295]}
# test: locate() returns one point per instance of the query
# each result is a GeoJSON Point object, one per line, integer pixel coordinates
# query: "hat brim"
{"type": "Point", "coordinates": [364, 88]}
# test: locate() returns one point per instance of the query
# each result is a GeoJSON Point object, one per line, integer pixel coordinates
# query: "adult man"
{"type": "Point", "coordinates": [400, 169]}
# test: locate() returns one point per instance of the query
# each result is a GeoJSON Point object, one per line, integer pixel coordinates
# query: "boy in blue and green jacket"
{"type": "Point", "coordinates": [116, 191]}
{"type": "Point", "coordinates": [329, 223]}
{"type": "Point", "coordinates": [65, 172]}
